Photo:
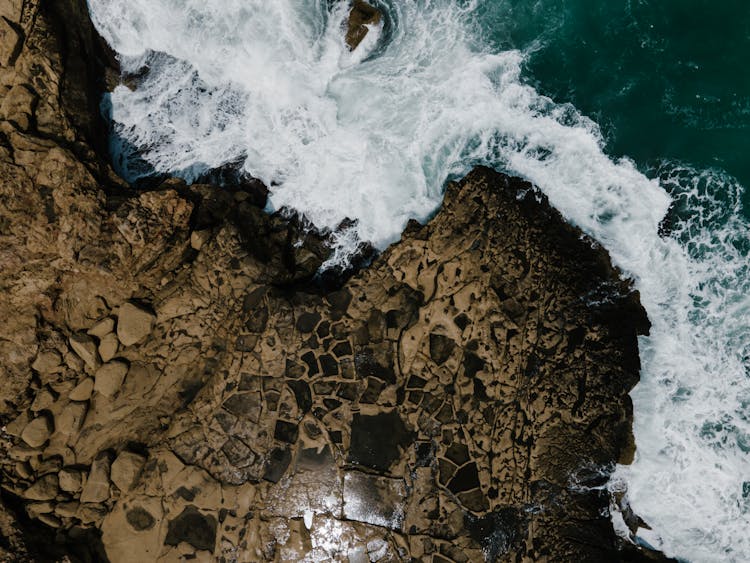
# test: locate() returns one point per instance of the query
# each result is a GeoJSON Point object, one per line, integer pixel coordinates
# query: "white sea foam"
{"type": "Point", "coordinates": [372, 135]}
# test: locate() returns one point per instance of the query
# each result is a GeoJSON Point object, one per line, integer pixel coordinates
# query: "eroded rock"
{"type": "Point", "coordinates": [134, 324]}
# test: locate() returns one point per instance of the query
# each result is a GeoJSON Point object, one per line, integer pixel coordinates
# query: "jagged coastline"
{"type": "Point", "coordinates": [175, 385]}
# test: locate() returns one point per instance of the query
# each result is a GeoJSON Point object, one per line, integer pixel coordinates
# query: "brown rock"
{"type": "Point", "coordinates": [37, 432]}
{"type": "Point", "coordinates": [67, 509]}
{"type": "Point", "coordinates": [126, 469]}
{"type": "Point", "coordinates": [85, 347]}
{"type": "Point", "coordinates": [47, 362]}
{"type": "Point", "coordinates": [361, 16]}
{"type": "Point", "coordinates": [108, 378]}
{"type": "Point", "coordinates": [18, 105]}
{"type": "Point", "coordinates": [82, 391]}
{"type": "Point", "coordinates": [133, 324]}
{"type": "Point", "coordinates": [102, 328]}
{"type": "Point", "coordinates": [96, 488]}
{"type": "Point", "coordinates": [44, 399]}
{"type": "Point", "coordinates": [10, 42]}
{"type": "Point", "coordinates": [108, 346]}
{"type": "Point", "coordinates": [70, 480]}
{"type": "Point", "coordinates": [44, 489]}
{"type": "Point", "coordinates": [50, 520]}
{"type": "Point", "coordinates": [17, 425]}
{"type": "Point", "coordinates": [70, 420]}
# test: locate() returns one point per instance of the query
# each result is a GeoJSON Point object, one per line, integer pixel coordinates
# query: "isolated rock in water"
{"type": "Point", "coordinates": [134, 324]}
{"type": "Point", "coordinates": [361, 16]}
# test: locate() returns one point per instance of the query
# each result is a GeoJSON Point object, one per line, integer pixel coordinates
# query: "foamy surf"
{"type": "Point", "coordinates": [372, 135]}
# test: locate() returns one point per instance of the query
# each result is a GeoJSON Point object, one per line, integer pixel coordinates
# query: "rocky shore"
{"type": "Point", "coordinates": [176, 385]}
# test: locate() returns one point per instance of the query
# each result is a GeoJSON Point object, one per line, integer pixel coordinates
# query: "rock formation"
{"type": "Point", "coordinates": [177, 386]}
{"type": "Point", "coordinates": [361, 17]}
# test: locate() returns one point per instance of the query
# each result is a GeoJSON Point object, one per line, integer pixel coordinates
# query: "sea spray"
{"type": "Point", "coordinates": [373, 134]}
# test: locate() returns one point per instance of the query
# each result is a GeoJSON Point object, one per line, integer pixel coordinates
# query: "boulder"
{"type": "Point", "coordinates": [108, 378]}
{"type": "Point", "coordinates": [134, 324]}
{"type": "Point", "coordinates": [18, 105]}
{"type": "Point", "coordinates": [37, 432]}
{"type": "Point", "coordinates": [70, 480]}
{"type": "Point", "coordinates": [126, 469]}
{"type": "Point", "coordinates": [96, 488]}
{"type": "Point", "coordinates": [361, 16]}
{"type": "Point", "coordinates": [102, 328]}
{"type": "Point", "coordinates": [47, 362]}
{"type": "Point", "coordinates": [82, 391]}
{"type": "Point", "coordinates": [85, 347]}
{"type": "Point", "coordinates": [44, 489]}
{"type": "Point", "coordinates": [70, 420]}
{"type": "Point", "coordinates": [10, 42]}
{"type": "Point", "coordinates": [108, 346]}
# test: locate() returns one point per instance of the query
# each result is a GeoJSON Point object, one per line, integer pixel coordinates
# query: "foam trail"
{"type": "Point", "coordinates": [372, 135]}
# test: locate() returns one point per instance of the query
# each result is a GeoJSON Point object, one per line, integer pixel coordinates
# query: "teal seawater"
{"type": "Point", "coordinates": [665, 80]}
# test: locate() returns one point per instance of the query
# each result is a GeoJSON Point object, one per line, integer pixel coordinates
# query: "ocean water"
{"type": "Point", "coordinates": [618, 112]}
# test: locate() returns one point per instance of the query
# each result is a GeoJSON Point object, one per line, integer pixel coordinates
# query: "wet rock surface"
{"type": "Point", "coordinates": [177, 387]}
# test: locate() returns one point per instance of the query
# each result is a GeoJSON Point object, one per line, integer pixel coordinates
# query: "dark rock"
{"type": "Point", "coordinates": [441, 348]}
{"type": "Point", "coordinates": [307, 322]}
{"type": "Point", "coordinates": [140, 519]}
{"type": "Point", "coordinates": [193, 527]}
{"type": "Point", "coordinates": [302, 394]}
{"type": "Point", "coordinates": [286, 431]}
{"type": "Point", "coordinates": [244, 405]}
{"type": "Point", "coordinates": [377, 440]}
{"type": "Point", "coordinates": [278, 462]}
{"type": "Point", "coordinates": [465, 479]}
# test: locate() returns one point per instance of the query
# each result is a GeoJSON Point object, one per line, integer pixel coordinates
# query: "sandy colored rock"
{"type": "Point", "coordinates": [133, 324]}
{"type": "Point", "coordinates": [70, 480]}
{"type": "Point", "coordinates": [37, 432]}
{"type": "Point", "coordinates": [85, 347]}
{"type": "Point", "coordinates": [109, 378]}
{"type": "Point", "coordinates": [44, 399]}
{"type": "Point", "coordinates": [102, 328]}
{"type": "Point", "coordinates": [96, 488]}
{"type": "Point", "coordinates": [126, 469]}
{"type": "Point", "coordinates": [44, 489]}
{"type": "Point", "coordinates": [82, 391]}
{"type": "Point", "coordinates": [17, 425]}
{"type": "Point", "coordinates": [18, 105]}
{"type": "Point", "coordinates": [108, 346]}
{"type": "Point", "coordinates": [67, 509]}
{"type": "Point", "coordinates": [70, 420]}
{"type": "Point", "coordinates": [47, 362]}
{"type": "Point", "coordinates": [199, 238]}
{"type": "Point", "coordinates": [10, 42]}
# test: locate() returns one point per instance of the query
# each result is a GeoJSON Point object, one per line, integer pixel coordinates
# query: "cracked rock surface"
{"type": "Point", "coordinates": [176, 387]}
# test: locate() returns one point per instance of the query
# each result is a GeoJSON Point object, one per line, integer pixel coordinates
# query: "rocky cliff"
{"type": "Point", "coordinates": [176, 385]}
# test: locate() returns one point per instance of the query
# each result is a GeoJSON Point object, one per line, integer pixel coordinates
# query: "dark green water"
{"type": "Point", "coordinates": [666, 79]}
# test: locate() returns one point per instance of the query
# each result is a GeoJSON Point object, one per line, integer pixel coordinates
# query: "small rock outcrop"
{"type": "Point", "coordinates": [362, 16]}
{"type": "Point", "coordinates": [176, 386]}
